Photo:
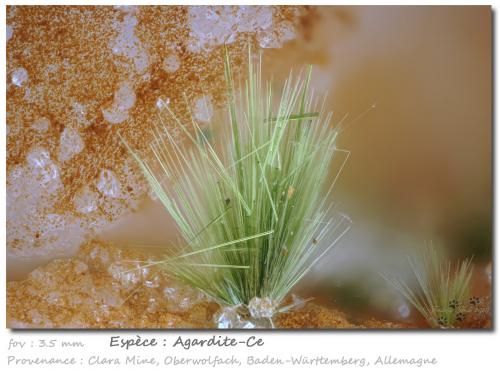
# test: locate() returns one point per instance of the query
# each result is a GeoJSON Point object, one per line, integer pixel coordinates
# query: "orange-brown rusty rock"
{"type": "Point", "coordinates": [107, 287]}
{"type": "Point", "coordinates": [78, 75]}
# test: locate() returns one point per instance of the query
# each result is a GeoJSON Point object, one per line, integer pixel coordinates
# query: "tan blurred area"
{"type": "Point", "coordinates": [422, 158]}
{"type": "Point", "coordinates": [420, 165]}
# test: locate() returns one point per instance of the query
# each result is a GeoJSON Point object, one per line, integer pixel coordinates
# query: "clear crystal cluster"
{"type": "Point", "coordinates": [233, 318]}
{"type": "Point", "coordinates": [258, 314]}
{"type": "Point", "coordinates": [104, 287]}
{"type": "Point", "coordinates": [262, 307]}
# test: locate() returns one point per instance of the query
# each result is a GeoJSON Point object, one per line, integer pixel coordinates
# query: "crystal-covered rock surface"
{"type": "Point", "coordinates": [76, 75]}
{"type": "Point", "coordinates": [104, 287]}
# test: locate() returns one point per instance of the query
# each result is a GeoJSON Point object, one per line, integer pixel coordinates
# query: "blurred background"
{"type": "Point", "coordinates": [420, 166]}
{"type": "Point", "coordinates": [416, 86]}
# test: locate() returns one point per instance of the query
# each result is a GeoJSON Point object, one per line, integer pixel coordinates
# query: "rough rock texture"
{"type": "Point", "coordinates": [106, 287]}
{"type": "Point", "coordinates": [76, 75]}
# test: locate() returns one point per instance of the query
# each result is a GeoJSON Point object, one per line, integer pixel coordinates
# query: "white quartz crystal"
{"type": "Point", "coordinates": [43, 168]}
{"type": "Point", "coordinates": [124, 99]}
{"type": "Point", "coordinates": [261, 308]}
{"type": "Point", "coordinates": [228, 318]}
{"type": "Point", "coordinates": [85, 200]}
{"type": "Point", "coordinates": [212, 26]}
{"type": "Point", "coordinates": [179, 298]}
{"type": "Point", "coordinates": [128, 45]}
{"type": "Point", "coordinates": [19, 76]}
{"type": "Point", "coordinates": [114, 115]}
{"type": "Point", "coordinates": [70, 144]}
{"type": "Point", "coordinates": [9, 32]}
{"type": "Point", "coordinates": [41, 124]}
{"type": "Point", "coordinates": [171, 63]}
{"type": "Point", "coordinates": [125, 96]}
{"type": "Point", "coordinates": [108, 184]}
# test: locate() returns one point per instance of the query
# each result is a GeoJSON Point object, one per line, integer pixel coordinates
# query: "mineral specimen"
{"type": "Point", "coordinates": [76, 75]}
{"type": "Point", "coordinates": [104, 286]}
